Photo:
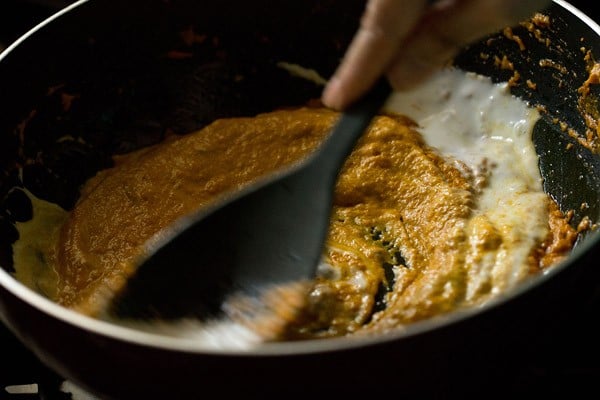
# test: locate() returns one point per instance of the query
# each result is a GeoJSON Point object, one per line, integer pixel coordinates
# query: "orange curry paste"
{"type": "Point", "coordinates": [401, 232]}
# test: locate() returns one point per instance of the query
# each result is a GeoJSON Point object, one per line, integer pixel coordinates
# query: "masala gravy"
{"type": "Point", "coordinates": [420, 227]}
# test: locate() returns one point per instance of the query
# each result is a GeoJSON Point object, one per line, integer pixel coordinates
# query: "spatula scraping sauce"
{"type": "Point", "coordinates": [436, 212]}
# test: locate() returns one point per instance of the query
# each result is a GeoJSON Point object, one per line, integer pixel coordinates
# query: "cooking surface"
{"type": "Point", "coordinates": [565, 362]}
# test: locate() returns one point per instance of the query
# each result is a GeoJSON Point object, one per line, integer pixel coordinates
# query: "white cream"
{"type": "Point", "coordinates": [468, 117]}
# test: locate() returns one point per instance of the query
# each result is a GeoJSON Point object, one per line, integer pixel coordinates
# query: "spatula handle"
{"type": "Point", "coordinates": [351, 125]}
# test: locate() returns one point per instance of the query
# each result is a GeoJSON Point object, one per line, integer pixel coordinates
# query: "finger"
{"type": "Point", "coordinates": [447, 28]}
{"type": "Point", "coordinates": [383, 27]}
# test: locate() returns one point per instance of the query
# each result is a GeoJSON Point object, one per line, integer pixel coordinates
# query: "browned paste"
{"type": "Point", "coordinates": [398, 204]}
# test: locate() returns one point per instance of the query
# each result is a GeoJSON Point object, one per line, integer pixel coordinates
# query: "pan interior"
{"type": "Point", "coordinates": [128, 93]}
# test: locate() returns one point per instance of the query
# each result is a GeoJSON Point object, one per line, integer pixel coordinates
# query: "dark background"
{"type": "Point", "coordinates": [569, 363]}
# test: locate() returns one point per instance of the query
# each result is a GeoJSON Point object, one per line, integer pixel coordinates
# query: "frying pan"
{"type": "Point", "coordinates": [135, 77]}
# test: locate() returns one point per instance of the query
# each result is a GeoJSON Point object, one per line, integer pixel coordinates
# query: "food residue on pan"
{"type": "Point", "coordinates": [589, 104]}
{"type": "Point", "coordinates": [541, 29]}
{"type": "Point", "coordinates": [439, 208]}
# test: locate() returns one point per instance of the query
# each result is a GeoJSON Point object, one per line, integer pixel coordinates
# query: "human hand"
{"type": "Point", "coordinates": [409, 40]}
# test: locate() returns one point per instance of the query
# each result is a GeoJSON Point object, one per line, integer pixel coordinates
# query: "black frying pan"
{"type": "Point", "coordinates": [135, 79]}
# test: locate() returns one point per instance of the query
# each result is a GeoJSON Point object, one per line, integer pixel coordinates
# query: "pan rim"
{"type": "Point", "coordinates": [158, 341]}
{"type": "Point", "coordinates": [39, 26]}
